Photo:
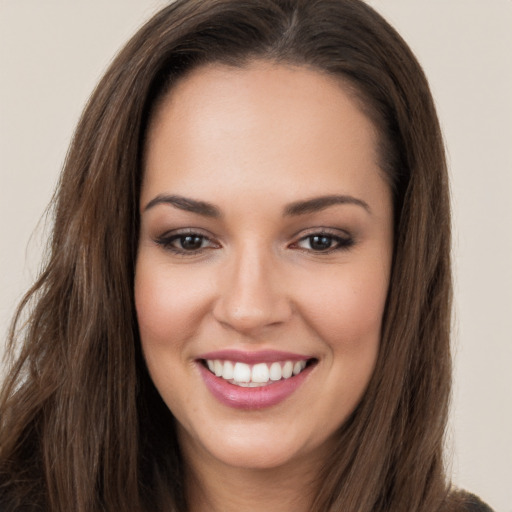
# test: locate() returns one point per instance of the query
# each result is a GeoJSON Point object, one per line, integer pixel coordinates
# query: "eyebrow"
{"type": "Point", "coordinates": [293, 209]}
{"type": "Point", "coordinates": [320, 203]}
{"type": "Point", "coordinates": [186, 204]}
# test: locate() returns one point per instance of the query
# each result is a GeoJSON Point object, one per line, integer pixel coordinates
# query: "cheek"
{"type": "Point", "coordinates": [347, 306]}
{"type": "Point", "coordinates": [346, 313]}
{"type": "Point", "coordinates": [169, 302]}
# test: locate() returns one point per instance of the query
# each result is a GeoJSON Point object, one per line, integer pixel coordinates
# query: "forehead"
{"type": "Point", "coordinates": [263, 124]}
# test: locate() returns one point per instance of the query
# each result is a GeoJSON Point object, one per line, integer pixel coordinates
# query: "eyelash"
{"type": "Point", "coordinates": [166, 242]}
{"type": "Point", "coordinates": [340, 242]}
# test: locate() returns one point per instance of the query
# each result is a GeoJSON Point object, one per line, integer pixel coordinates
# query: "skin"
{"type": "Point", "coordinates": [251, 141]}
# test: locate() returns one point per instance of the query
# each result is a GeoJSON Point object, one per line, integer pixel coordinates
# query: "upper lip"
{"type": "Point", "coordinates": [251, 357]}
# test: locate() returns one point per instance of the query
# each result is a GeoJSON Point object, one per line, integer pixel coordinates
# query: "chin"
{"type": "Point", "coordinates": [258, 446]}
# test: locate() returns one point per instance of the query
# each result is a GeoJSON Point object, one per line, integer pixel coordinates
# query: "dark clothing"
{"type": "Point", "coordinates": [475, 504]}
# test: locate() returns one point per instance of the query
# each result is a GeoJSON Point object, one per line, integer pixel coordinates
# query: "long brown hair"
{"type": "Point", "coordinates": [82, 427]}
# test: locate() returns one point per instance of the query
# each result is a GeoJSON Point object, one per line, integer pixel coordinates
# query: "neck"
{"type": "Point", "coordinates": [212, 486]}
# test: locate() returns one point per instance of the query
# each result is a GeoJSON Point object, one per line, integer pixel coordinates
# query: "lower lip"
{"type": "Point", "coordinates": [240, 397]}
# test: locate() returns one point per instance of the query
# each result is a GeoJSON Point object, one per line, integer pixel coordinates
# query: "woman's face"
{"type": "Point", "coordinates": [265, 251]}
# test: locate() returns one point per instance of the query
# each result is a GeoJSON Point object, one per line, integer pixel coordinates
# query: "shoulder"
{"type": "Point", "coordinates": [472, 503]}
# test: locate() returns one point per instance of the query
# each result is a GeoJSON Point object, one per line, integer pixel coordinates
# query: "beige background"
{"type": "Point", "coordinates": [52, 53]}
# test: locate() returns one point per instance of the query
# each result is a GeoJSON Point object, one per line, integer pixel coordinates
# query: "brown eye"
{"type": "Point", "coordinates": [320, 242]}
{"type": "Point", "coordinates": [186, 243]}
{"type": "Point", "coordinates": [189, 242]}
{"type": "Point", "coordinates": [324, 242]}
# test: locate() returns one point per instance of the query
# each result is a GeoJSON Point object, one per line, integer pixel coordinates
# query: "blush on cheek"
{"type": "Point", "coordinates": [169, 303]}
{"type": "Point", "coordinates": [349, 316]}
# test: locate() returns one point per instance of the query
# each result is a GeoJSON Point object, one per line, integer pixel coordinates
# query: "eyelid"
{"type": "Point", "coordinates": [323, 230]}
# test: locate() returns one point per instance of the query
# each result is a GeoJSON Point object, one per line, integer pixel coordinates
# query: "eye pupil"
{"type": "Point", "coordinates": [320, 242]}
{"type": "Point", "coordinates": [191, 242]}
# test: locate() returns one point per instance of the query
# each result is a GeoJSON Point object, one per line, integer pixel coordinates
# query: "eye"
{"type": "Point", "coordinates": [189, 242]}
{"type": "Point", "coordinates": [186, 243]}
{"type": "Point", "coordinates": [324, 242]}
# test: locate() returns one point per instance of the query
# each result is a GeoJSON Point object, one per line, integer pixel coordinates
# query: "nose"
{"type": "Point", "coordinates": [251, 293]}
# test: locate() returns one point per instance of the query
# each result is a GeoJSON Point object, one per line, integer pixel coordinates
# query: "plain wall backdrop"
{"type": "Point", "coordinates": [52, 53]}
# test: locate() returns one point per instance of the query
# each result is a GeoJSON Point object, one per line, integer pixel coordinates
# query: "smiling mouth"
{"type": "Point", "coordinates": [256, 375]}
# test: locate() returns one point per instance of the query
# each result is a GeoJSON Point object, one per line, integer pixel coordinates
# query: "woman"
{"type": "Point", "coordinates": [248, 293]}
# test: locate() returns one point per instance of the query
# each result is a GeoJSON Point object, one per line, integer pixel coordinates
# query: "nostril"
{"type": "Point", "coordinates": [248, 319]}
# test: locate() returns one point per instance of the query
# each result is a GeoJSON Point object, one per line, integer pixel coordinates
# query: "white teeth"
{"type": "Point", "coordinates": [245, 375]}
{"type": "Point", "coordinates": [298, 367]}
{"type": "Point", "coordinates": [227, 372]}
{"type": "Point", "coordinates": [218, 367]}
{"type": "Point", "coordinates": [249, 384]}
{"type": "Point", "coordinates": [260, 373]}
{"type": "Point", "coordinates": [242, 372]}
{"type": "Point", "coordinates": [287, 370]}
{"type": "Point", "coordinates": [275, 371]}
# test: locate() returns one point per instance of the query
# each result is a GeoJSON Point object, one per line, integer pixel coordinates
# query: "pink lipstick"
{"type": "Point", "coordinates": [253, 380]}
